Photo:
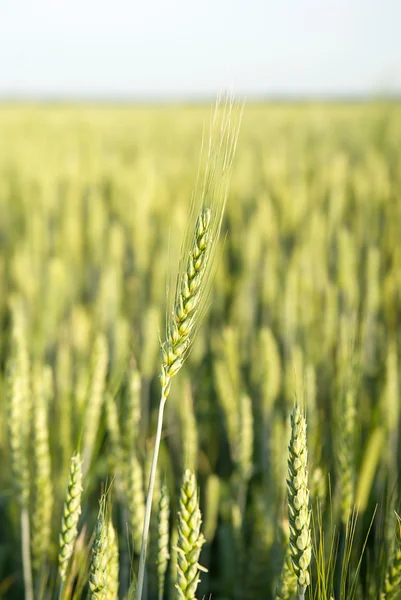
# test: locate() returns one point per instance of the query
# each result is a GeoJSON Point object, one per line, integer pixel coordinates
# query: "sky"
{"type": "Point", "coordinates": [184, 49]}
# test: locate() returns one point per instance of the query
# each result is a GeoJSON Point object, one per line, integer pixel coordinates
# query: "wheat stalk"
{"type": "Point", "coordinates": [193, 282]}
{"type": "Point", "coordinates": [298, 501]}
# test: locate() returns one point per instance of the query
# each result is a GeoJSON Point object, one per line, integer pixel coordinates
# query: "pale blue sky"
{"type": "Point", "coordinates": [180, 48]}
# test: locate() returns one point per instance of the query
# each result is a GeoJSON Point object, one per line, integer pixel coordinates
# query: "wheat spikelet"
{"type": "Point", "coordinates": [190, 539]}
{"type": "Point", "coordinates": [72, 510]}
{"type": "Point", "coordinates": [298, 501]}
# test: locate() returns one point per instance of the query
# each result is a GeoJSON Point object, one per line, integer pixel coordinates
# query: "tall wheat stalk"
{"type": "Point", "coordinates": [193, 280]}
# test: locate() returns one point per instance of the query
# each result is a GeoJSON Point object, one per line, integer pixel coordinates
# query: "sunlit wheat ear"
{"type": "Point", "coordinates": [188, 299]}
{"type": "Point", "coordinates": [298, 501]}
{"type": "Point", "coordinates": [198, 251]}
{"type": "Point", "coordinates": [100, 562]}
{"type": "Point", "coordinates": [391, 588]}
{"type": "Point", "coordinates": [71, 513]}
{"type": "Point", "coordinates": [190, 539]}
{"type": "Point", "coordinates": [194, 278]}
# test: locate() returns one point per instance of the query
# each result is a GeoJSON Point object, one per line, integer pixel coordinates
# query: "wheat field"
{"type": "Point", "coordinates": [278, 472]}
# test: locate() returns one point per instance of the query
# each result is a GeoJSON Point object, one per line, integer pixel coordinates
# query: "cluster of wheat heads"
{"type": "Point", "coordinates": [252, 498]}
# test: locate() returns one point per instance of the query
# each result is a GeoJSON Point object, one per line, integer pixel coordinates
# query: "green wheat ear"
{"type": "Point", "coordinates": [298, 501]}
{"type": "Point", "coordinates": [199, 249]}
{"type": "Point", "coordinates": [71, 513]}
{"type": "Point", "coordinates": [190, 539]}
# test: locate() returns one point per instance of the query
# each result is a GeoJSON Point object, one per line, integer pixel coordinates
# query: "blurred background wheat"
{"type": "Point", "coordinates": [305, 305]}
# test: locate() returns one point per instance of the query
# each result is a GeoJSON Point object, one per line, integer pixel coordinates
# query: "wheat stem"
{"type": "Point", "coordinates": [149, 497]}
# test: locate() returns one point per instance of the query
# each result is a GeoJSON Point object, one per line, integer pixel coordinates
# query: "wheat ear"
{"type": "Point", "coordinates": [193, 282]}
{"type": "Point", "coordinates": [190, 539]}
{"type": "Point", "coordinates": [69, 521]}
{"type": "Point", "coordinates": [298, 501]}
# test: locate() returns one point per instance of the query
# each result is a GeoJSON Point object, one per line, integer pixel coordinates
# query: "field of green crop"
{"type": "Point", "coordinates": [300, 319]}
